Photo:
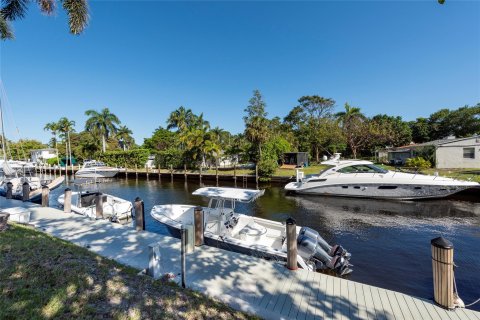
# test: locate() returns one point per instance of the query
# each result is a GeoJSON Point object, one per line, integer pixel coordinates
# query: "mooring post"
{"type": "Point", "coordinates": [198, 221]}
{"type": "Point", "coordinates": [25, 191]}
{"type": "Point", "coordinates": [291, 231]}
{"type": "Point", "coordinates": [185, 171]}
{"type": "Point", "coordinates": [183, 254]}
{"type": "Point", "coordinates": [126, 171]}
{"type": "Point", "coordinates": [154, 263]}
{"type": "Point", "coordinates": [9, 194]}
{"type": "Point", "coordinates": [139, 214]}
{"type": "Point", "coordinates": [256, 174]}
{"type": "Point", "coordinates": [45, 196]}
{"type": "Point", "coordinates": [67, 202]}
{"type": "Point", "coordinates": [171, 172]}
{"type": "Point", "coordinates": [235, 173]}
{"type": "Point", "coordinates": [442, 265]}
{"type": "Point", "coordinates": [99, 206]}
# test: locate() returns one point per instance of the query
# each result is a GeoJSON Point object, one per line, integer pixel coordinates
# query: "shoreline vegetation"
{"type": "Point", "coordinates": [42, 277]}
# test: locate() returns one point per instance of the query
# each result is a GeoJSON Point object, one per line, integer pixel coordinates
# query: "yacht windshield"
{"type": "Point", "coordinates": [326, 169]}
{"type": "Point", "coordinates": [362, 168]}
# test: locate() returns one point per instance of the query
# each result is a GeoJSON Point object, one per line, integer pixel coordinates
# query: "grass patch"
{"type": "Point", "coordinates": [42, 277]}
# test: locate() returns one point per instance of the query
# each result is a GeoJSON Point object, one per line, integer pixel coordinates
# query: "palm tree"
{"type": "Point", "coordinates": [124, 137]}
{"type": "Point", "coordinates": [352, 122]}
{"type": "Point", "coordinates": [53, 128]}
{"type": "Point", "coordinates": [349, 114]}
{"type": "Point", "coordinates": [66, 126]}
{"type": "Point", "coordinates": [102, 123]}
{"type": "Point", "coordinates": [180, 119]}
{"type": "Point", "coordinates": [12, 10]}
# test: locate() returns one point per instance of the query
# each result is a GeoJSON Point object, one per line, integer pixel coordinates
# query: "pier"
{"type": "Point", "coordinates": [265, 288]}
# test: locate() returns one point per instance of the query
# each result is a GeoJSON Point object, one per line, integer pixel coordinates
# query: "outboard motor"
{"type": "Point", "coordinates": [336, 250]}
{"type": "Point", "coordinates": [310, 250]}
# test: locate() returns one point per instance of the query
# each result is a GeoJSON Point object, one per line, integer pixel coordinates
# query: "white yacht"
{"type": "Point", "coordinates": [84, 202]}
{"type": "Point", "coordinates": [359, 178]}
{"type": "Point", "coordinates": [96, 169]}
{"type": "Point", "coordinates": [225, 228]}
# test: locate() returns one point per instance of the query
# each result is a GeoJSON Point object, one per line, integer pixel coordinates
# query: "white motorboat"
{"type": "Point", "coordinates": [16, 167]}
{"type": "Point", "coordinates": [84, 202]}
{"type": "Point", "coordinates": [359, 178]}
{"type": "Point", "coordinates": [35, 185]}
{"type": "Point", "coordinates": [225, 228]}
{"type": "Point", "coordinates": [96, 169]}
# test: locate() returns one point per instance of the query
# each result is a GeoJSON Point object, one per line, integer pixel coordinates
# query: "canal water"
{"type": "Point", "coordinates": [389, 240]}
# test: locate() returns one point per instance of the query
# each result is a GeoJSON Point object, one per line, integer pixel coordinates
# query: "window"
{"type": "Point", "coordinates": [469, 153]}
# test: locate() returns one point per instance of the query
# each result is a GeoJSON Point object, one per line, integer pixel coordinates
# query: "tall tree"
{"type": "Point", "coordinates": [124, 136]}
{"type": "Point", "coordinates": [12, 10]}
{"type": "Point", "coordinates": [312, 113]}
{"type": "Point", "coordinates": [102, 123]}
{"type": "Point", "coordinates": [256, 129]}
{"type": "Point", "coordinates": [66, 126]}
{"type": "Point", "coordinates": [53, 128]}
{"type": "Point", "coordinates": [355, 127]}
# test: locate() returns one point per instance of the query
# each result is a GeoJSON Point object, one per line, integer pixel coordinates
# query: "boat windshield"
{"type": "Point", "coordinates": [325, 169]}
{"type": "Point", "coordinates": [362, 168]}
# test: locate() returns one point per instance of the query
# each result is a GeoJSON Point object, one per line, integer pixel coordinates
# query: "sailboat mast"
{"type": "Point", "coordinates": [3, 128]}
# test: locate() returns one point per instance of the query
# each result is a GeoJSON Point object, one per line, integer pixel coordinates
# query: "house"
{"type": "Point", "coordinates": [449, 153]}
{"type": "Point", "coordinates": [41, 155]}
{"type": "Point", "coordinates": [295, 159]}
{"type": "Point", "coordinates": [458, 153]}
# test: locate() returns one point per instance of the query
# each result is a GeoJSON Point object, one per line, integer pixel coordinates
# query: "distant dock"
{"type": "Point", "coordinates": [247, 283]}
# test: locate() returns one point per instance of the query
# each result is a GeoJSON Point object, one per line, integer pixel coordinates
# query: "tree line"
{"type": "Point", "coordinates": [313, 125]}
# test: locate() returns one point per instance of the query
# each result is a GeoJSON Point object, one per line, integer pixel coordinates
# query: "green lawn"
{"type": "Point", "coordinates": [42, 277]}
{"type": "Point", "coordinates": [462, 174]}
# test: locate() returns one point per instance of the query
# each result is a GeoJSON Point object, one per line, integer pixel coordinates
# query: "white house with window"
{"type": "Point", "coordinates": [458, 153]}
{"type": "Point", "coordinates": [41, 155]}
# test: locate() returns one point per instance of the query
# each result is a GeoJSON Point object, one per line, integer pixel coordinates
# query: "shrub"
{"type": "Point", "coordinates": [130, 158]}
{"type": "Point", "coordinates": [53, 161]}
{"type": "Point", "coordinates": [418, 162]}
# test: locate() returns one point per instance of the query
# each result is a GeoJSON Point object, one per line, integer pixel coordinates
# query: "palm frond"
{"type": "Point", "coordinates": [14, 9]}
{"type": "Point", "coordinates": [77, 14]}
{"type": "Point", "coordinates": [5, 31]}
{"type": "Point", "coordinates": [46, 6]}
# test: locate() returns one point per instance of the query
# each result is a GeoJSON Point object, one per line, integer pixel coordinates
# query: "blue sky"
{"type": "Point", "coordinates": [145, 59]}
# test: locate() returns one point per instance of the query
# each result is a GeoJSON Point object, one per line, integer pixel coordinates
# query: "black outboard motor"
{"type": "Point", "coordinates": [336, 250]}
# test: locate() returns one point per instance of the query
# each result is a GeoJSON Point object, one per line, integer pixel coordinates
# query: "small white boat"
{"type": "Point", "coordinates": [223, 227]}
{"type": "Point", "coordinates": [359, 178]}
{"type": "Point", "coordinates": [84, 202]}
{"type": "Point", "coordinates": [96, 169]}
{"type": "Point", "coordinates": [34, 183]}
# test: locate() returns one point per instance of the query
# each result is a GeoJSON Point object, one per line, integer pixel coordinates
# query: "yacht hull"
{"type": "Point", "coordinates": [379, 191]}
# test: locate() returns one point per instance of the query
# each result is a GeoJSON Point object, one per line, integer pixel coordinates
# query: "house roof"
{"type": "Point", "coordinates": [432, 143]}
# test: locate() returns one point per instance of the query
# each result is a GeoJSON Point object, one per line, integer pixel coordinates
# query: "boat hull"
{"type": "Point", "coordinates": [379, 191]}
{"type": "Point", "coordinates": [96, 174]}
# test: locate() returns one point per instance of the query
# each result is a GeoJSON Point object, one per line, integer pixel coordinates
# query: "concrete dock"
{"type": "Point", "coordinates": [251, 284]}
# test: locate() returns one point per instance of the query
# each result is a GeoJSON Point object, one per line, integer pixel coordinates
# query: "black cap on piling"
{"type": "Point", "coordinates": [290, 220]}
{"type": "Point", "coordinates": [138, 199]}
{"type": "Point", "coordinates": [442, 243]}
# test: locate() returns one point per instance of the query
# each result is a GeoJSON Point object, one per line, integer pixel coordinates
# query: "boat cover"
{"type": "Point", "coordinates": [242, 195]}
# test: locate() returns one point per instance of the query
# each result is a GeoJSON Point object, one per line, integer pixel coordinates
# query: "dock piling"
{"type": "Point", "coordinates": [154, 265]}
{"type": "Point", "coordinates": [25, 191]}
{"type": "Point", "coordinates": [442, 265]}
{"type": "Point", "coordinates": [67, 202]}
{"type": "Point", "coordinates": [291, 226]}
{"type": "Point", "coordinates": [139, 214]}
{"type": "Point", "coordinates": [99, 206]}
{"type": "Point", "coordinates": [183, 254]}
{"type": "Point", "coordinates": [9, 194]}
{"type": "Point", "coordinates": [45, 196]}
{"type": "Point", "coordinates": [198, 217]}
